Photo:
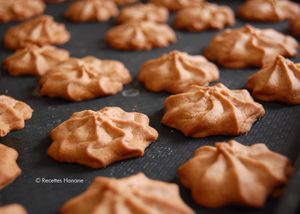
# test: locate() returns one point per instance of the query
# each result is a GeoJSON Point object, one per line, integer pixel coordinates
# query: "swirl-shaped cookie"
{"type": "Point", "coordinates": [144, 12]}
{"type": "Point", "coordinates": [134, 194]}
{"type": "Point", "coordinates": [92, 10]}
{"type": "Point", "coordinates": [9, 169]}
{"type": "Point", "coordinates": [100, 138]}
{"type": "Point", "coordinates": [175, 71]}
{"type": "Point", "coordinates": [203, 111]}
{"type": "Point", "coordinates": [34, 60]}
{"type": "Point", "coordinates": [85, 78]}
{"type": "Point", "coordinates": [13, 114]}
{"type": "Point", "coordinates": [206, 16]}
{"type": "Point", "coordinates": [234, 174]}
{"type": "Point", "coordinates": [249, 46]}
{"type": "Point", "coordinates": [17, 10]}
{"type": "Point", "coordinates": [140, 35]}
{"type": "Point", "coordinates": [177, 4]}
{"type": "Point", "coordinates": [269, 10]}
{"type": "Point", "coordinates": [42, 30]}
{"type": "Point", "coordinates": [277, 81]}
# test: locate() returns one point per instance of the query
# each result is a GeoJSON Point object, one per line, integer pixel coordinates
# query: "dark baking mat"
{"type": "Point", "coordinates": [279, 129]}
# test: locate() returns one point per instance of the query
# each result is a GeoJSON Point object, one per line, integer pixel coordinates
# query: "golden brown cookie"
{"type": "Point", "coordinates": [42, 30]}
{"type": "Point", "coordinates": [269, 10]}
{"type": "Point", "coordinates": [92, 10]}
{"type": "Point", "coordinates": [13, 114]}
{"type": "Point", "coordinates": [175, 71]}
{"type": "Point", "coordinates": [9, 169]}
{"type": "Point", "coordinates": [131, 195]}
{"type": "Point", "coordinates": [85, 78]}
{"type": "Point", "coordinates": [140, 35]}
{"type": "Point", "coordinates": [124, 2]}
{"type": "Point", "coordinates": [34, 60]}
{"type": "Point", "coordinates": [277, 81]}
{"type": "Point", "coordinates": [295, 26]}
{"type": "Point", "coordinates": [249, 46]}
{"type": "Point", "coordinates": [203, 111]}
{"type": "Point", "coordinates": [177, 4]}
{"type": "Point", "coordinates": [144, 12]}
{"type": "Point", "coordinates": [13, 209]}
{"type": "Point", "coordinates": [234, 174]}
{"type": "Point", "coordinates": [206, 16]}
{"type": "Point", "coordinates": [100, 138]}
{"type": "Point", "coordinates": [17, 10]}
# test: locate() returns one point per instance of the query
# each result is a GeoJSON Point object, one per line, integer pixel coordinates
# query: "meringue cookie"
{"type": "Point", "coordinates": [92, 10]}
{"type": "Point", "coordinates": [17, 10]}
{"type": "Point", "coordinates": [249, 46]}
{"type": "Point", "coordinates": [295, 26]}
{"type": "Point", "coordinates": [269, 10]}
{"type": "Point", "coordinates": [177, 4]}
{"type": "Point", "coordinates": [206, 16]}
{"type": "Point", "coordinates": [9, 169]}
{"type": "Point", "coordinates": [277, 81]}
{"type": "Point", "coordinates": [34, 60]}
{"type": "Point", "coordinates": [140, 35]}
{"type": "Point", "coordinates": [234, 174]}
{"type": "Point", "coordinates": [203, 111]}
{"type": "Point", "coordinates": [85, 78]}
{"type": "Point", "coordinates": [42, 30]}
{"type": "Point", "coordinates": [100, 138]}
{"type": "Point", "coordinates": [13, 209]}
{"type": "Point", "coordinates": [175, 71]}
{"type": "Point", "coordinates": [144, 12]}
{"type": "Point", "coordinates": [131, 195]}
{"type": "Point", "coordinates": [13, 114]}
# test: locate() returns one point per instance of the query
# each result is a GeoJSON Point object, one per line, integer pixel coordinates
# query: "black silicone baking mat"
{"type": "Point", "coordinates": [279, 129]}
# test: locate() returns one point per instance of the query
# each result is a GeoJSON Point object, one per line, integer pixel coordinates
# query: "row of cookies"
{"type": "Point", "coordinates": [197, 15]}
{"type": "Point", "coordinates": [132, 35]}
{"type": "Point", "coordinates": [140, 34]}
{"type": "Point", "coordinates": [19, 10]}
{"type": "Point", "coordinates": [142, 30]}
{"type": "Point", "coordinates": [148, 19]}
{"type": "Point", "coordinates": [217, 176]}
{"type": "Point", "coordinates": [44, 30]}
{"type": "Point", "coordinates": [257, 10]}
{"type": "Point", "coordinates": [125, 135]}
{"type": "Point", "coordinates": [192, 15]}
{"type": "Point", "coordinates": [80, 79]}
{"type": "Point", "coordinates": [277, 80]}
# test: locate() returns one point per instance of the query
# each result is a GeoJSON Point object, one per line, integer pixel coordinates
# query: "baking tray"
{"type": "Point", "coordinates": [279, 129]}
